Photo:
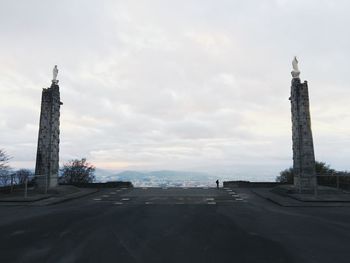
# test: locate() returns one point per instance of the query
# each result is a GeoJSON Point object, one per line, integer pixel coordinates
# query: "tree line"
{"type": "Point", "coordinates": [73, 172]}
{"type": "Point", "coordinates": [321, 168]}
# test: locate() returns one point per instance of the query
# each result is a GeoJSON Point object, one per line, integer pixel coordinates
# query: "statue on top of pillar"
{"type": "Point", "coordinates": [55, 73]}
{"type": "Point", "coordinates": [295, 72]}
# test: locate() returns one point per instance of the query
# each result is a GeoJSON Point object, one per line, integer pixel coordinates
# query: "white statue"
{"type": "Point", "coordinates": [296, 71]}
{"type": "Point", "coordinates": [55, 73]}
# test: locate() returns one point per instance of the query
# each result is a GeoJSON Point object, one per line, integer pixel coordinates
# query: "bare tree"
{"type": "Point", "coordinates": [4, 168]}
{"type": "Point", "coordinates": [22, 174]}
{"type": "Point", "coordinates": [4, 159]}
{"type": "Point", "coordinates": [77, 171]}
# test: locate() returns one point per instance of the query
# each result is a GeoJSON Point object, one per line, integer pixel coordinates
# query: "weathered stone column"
{"type": "Point", "coordinates": [303, 147]}
{"type": "Point", "coordinates": [47, 158]}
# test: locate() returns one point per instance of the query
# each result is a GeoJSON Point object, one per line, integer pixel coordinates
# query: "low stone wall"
{"type": "Point", "coordinates": [251, 184]}
{"type": "Point", "coordinates": [331, 180]}
{"type": "Point", "coordinates": [117, 184]}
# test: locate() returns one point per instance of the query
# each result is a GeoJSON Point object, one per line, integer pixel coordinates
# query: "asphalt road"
{"type": "Point", "coordinates": [174, 225]}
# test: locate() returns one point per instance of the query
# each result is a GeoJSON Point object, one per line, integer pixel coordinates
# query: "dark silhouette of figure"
{"type": "Point", "coordinates": [217, 183]}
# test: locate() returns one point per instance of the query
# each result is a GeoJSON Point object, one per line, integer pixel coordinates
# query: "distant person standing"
{"type": "Point", "coordinates": [217, 183]}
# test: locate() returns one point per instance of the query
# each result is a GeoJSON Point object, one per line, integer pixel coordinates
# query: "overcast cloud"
{"type": "Point", "coordinates": [186, 85]}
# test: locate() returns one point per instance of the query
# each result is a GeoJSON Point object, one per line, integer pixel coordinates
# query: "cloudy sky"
{"type": "Point", "coordinates": [192, 85]}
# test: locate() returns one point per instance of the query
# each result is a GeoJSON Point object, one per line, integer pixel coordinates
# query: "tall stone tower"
{"type": "Point", "coordinates": [47, 156]}
{"type": "Point", "coordinates": [303, 147]}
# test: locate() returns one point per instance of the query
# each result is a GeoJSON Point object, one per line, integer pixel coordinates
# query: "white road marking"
{"type": "Point", "coordinates": [209, 199]}
{"type": "Point", "coordinates": [211, 203]}
{"type": "Point", "coordinates": [118, 203]}
{"type": "Point", "coordinates": [105, 195]}
{"type": "Point", "coordinates": [97, 199]}
{"type": "Point", "coordinates": [148, 203]}
{"type": "Point", "coordinates": [125, 199]}
{"type": "Point", "coordinates": [239, 199]}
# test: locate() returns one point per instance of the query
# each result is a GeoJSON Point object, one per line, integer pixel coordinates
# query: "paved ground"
{"type": "Point", "coordinates": [337, 200]}
{"type": "Point", "coordinates": [37, 198]}
{"type": "Point", "coordinates": [170, 196]}
{"type": "Point", "coordinates": [174, 225]}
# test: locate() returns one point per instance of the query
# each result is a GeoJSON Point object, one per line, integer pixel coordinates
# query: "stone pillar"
{"type": "Point", "coordinates": [303, 147]}
{"type": "Point", "coordinates": [47, 157]}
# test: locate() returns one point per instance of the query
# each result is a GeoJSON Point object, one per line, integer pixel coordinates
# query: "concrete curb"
{"type": "Point", "coordinates": [65, 198]}
{"type": "Point", "coordinates": [50, 200]}
{"type": "Point", "coordinates": [24, 200]}
{"type": "Point", "coordinates": [291, 202]}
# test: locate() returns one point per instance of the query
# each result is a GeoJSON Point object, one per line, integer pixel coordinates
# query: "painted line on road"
{"type": "Point", "coordinates": [97, 199]}
{"type": "Point", "coordinates": [148, 203]}
{"type": "Point", "coordinates": [125, 199]}
{"type": "Point", "coordinates": [105, 195]}
{"type": "Point", "coordinates": [211, 203]}
{"type": "Point", "coordinates": [118, 203]}
{"type": "Point", "coordinates": [209, 199]}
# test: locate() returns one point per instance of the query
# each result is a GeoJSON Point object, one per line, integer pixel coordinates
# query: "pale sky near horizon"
{"type": "Point", "coordinates": [181, 85]}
